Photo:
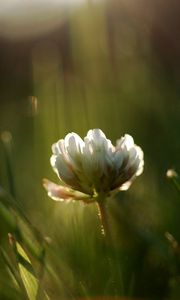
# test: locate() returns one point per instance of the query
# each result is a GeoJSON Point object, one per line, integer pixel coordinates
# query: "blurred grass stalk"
{"type": "Point", "coordinates": [6, 139]}
{"type": "Point", "coordinates": [174, 177]}
{"type": "Point", "coordinates": [20, 267]}
{"type": "Point", "coordinates": [11, 215]}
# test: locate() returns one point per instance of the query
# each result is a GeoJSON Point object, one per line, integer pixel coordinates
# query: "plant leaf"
{"type": "Point", "coordinates": [26, 271]}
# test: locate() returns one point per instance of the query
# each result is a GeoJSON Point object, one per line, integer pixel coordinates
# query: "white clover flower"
{"type": "Point", "coordinates": [93, 166]}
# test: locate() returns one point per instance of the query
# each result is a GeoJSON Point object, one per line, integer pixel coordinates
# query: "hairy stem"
{"type": "Point", "coordinates": [105, 229]}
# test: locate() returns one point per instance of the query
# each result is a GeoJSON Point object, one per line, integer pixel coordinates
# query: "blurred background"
{"type": "Point", "coordinates": [74, 65]}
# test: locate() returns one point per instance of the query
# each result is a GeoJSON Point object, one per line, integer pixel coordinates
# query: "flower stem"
{"type": "Point", "coordinates": [104, 220]}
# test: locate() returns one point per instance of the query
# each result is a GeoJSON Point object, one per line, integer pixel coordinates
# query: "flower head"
{"type": "Point", "coordinates": [93, 166]}
{"type": "Point", "coordinates": [171, 173]}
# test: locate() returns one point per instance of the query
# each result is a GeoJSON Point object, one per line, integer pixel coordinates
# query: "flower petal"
{"type": "Point", "coordinates": [126, 141]}
{"type": "Point", "coordinates": [99, 151]}
{"type": "Point", "coordinates": [56, 192]}
{"type": "Point", "coordinates": [61, 193]}
{"type": "Point", "coordinates": [125, 186]}
{"type": "Point", "coordinates": [61, 167]}
{"type": "Point", "coordinates": [96, 135]}
{"type": "Point", "coordinates": [73, 144]}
